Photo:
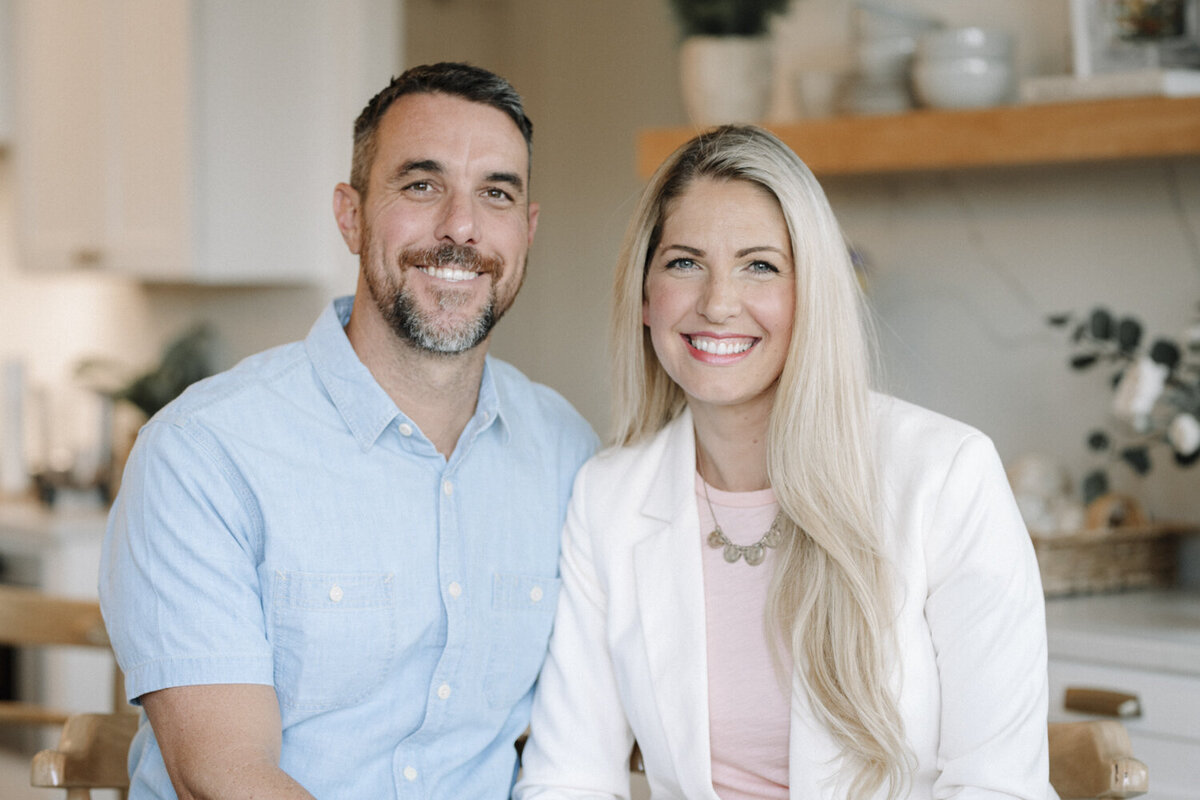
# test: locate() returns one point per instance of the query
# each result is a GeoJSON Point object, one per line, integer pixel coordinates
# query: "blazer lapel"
{"type": "Point", "coordinates": [670, 596]}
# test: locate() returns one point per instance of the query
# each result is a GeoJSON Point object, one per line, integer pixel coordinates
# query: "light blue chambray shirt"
{"type": "Point", "coordinates": [283, 523]}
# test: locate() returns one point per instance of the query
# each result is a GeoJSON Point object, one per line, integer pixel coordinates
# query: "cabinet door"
{"type": "Point", "coordinates": [102, 127]}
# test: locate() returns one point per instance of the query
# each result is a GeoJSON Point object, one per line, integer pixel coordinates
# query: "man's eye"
{"type": "Point", "coordinates": [497, 194]}
{"type": "Point", "coordinates": [418, 186]}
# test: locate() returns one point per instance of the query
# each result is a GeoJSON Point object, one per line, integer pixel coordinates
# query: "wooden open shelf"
{"type": "Point", "coordinates": [1143, 127]}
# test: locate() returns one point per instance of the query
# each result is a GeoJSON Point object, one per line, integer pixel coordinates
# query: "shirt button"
{"type": "Point", "coordinates": [336, 594]}
{"type": "Point", "coordinates": [405, 429]}
{"type": "Point", "coordinates": [535, 594]}
{"type": "Point", "coordinates": [410, 773]}
{"type": "Point", "coordinates": [444, 691]}
{"type": "Point", "coordinates": [447, 488]}
{"type": "Point", "coordinates": [454, 589]}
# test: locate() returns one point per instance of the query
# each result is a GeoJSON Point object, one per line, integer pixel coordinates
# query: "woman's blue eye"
{"type": "Point", "coordinates": [763, 266]}
{"type": "Point", "coordinates": [681, 263]}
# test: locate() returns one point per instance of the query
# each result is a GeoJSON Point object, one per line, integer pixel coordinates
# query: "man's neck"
{"type": "Point", "coordinates": [438, 392]}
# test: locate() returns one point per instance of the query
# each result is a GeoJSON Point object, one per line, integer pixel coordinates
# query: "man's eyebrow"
{"type": "Point", "coordinates": [511, 178]}
{"type": "Point", "coordinates": [406, 169]}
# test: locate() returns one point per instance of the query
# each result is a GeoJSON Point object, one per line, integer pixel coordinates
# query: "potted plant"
{"type": "Point", "coordinates": [725, 58]}
{"type": "Point", "coordinates": [1155, 393]}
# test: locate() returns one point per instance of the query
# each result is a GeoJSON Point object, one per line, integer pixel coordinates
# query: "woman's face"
{"type": "Point", "coordinates": [720, 294]}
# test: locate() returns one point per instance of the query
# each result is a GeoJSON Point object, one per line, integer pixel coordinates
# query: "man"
{"type": "Point", "coordinates": [331, 571]}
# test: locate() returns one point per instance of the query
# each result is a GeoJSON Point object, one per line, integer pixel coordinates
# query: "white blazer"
{"type": "Point", "coordinates": [627, 656]}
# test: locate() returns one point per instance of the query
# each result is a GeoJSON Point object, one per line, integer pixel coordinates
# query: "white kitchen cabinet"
{"type": "Point", "coordinates": [1145, 644]}
{"type": "Point", "coordinates": [191, 140]}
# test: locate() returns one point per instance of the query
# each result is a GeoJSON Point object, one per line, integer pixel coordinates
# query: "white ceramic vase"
{"type": "Point", "coordinates": [726, 79]}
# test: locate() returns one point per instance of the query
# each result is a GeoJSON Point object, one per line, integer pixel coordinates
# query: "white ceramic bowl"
{"type": "Point", "coordinates": [973, 42]}
{"type": "Point", "coordinates": [963, 83]}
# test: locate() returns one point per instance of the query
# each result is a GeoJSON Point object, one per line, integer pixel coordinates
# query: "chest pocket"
{"type": "Point", "coordinates": [334, 637]}
{"type": "Point", "coordinates": [521, 618]}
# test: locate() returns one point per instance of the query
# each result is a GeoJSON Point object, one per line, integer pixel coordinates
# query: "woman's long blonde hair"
{"type": "Point", "coordinates": [830, 595]}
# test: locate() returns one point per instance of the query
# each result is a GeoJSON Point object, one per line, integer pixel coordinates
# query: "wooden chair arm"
{"type": "Point", "coordinates": [92, 753]}
{"type": "Point", "coordinates": [1094, 759]}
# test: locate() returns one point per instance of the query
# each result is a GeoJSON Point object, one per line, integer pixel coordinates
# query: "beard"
{"type": "Point", "coordinates": [436, 330]}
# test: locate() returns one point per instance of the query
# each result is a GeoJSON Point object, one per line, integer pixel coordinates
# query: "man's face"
{"type": "Point", "coordinates": [444, 231]}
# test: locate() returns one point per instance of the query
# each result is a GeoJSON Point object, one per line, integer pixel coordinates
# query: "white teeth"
{"type": "Point", "coordinates": [449, 273]}
{"type": "Point", "coordinates": [721, 347]}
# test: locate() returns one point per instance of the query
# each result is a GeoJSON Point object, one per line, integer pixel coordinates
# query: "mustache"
{"type": "Point", "coordinates": [463, 256]}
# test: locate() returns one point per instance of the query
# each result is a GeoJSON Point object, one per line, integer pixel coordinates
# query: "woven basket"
{"type": "Point", "coordinates": [1109, 559]}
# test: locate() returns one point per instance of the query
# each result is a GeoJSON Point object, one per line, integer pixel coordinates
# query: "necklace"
{"type": "Point", "coordinates": [753, 553]}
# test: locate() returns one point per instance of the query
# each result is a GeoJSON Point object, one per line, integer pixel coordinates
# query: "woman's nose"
{"type": "Point", "coordinates": [719, 301]}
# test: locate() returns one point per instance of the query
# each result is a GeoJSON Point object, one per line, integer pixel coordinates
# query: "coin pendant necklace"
{"type": "Point", "coordinates": [753, 553]}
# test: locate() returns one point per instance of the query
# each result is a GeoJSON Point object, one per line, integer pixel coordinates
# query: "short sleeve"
{"type": "Point", "coordinates": [179, 586]}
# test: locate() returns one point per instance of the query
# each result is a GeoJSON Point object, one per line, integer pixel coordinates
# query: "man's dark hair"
{"type": "Point", "coordinates": [459, 80]}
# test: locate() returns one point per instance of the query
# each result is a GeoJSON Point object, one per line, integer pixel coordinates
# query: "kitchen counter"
{"type": "Point", "coordinates": [1156, 630]}
{"type": "Point", "coordinates": [1140, 643]}
{"type": "Point", "coordinates": [30, 528]}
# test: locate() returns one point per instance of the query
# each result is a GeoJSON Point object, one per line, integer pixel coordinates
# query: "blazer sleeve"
{"type": "Point", "coordinates": [986, 616]}
{"type": "Point", "coordinates": [580, 739]}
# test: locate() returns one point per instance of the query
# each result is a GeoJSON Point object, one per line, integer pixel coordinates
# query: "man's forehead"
{"type": "Point", "coordinates": [433, 126]}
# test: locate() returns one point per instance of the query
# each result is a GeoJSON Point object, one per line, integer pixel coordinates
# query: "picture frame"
{"type": "Point", "coordinates": [1113, 36]}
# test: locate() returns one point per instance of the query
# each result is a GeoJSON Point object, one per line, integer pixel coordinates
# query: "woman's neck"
{"type": "Point", "coordinates": [731, 449]}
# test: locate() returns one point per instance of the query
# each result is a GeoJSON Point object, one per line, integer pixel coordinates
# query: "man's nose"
{"type": "Point", "coordinates": [458, 222]}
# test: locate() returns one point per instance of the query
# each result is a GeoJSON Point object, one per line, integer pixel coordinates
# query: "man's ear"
{"type": "Point", "coordinates": [534, 211]}
{"type": "Point", "coordinates": [347, 210]}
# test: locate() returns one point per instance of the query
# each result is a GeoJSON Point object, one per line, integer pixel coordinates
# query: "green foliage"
{"type": "Point", "coordinates": [185, 360]}
{"type": "Point", "coordinates": [726, 17]}
{"type": "Point", "coordinates": [1100, 340]}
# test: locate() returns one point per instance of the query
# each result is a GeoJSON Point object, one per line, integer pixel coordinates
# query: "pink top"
{"type": "Point", "coordinates": [749, 711]}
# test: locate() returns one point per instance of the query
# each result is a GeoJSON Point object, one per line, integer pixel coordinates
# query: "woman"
{"type": "Point", "coordinates": [781, 584]}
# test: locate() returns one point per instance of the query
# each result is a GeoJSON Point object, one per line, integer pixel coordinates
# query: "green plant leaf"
{"type": "Point", "coordinates": [1129, 334]}
{"type": "Point", "coordinates": [1165, 352]}
{"type": "Point", "coordinates": [1084, 361]}
{"type": "Point", "coordinates": [1095, 484]}
{"type": "Point", "coordinates": [1138, 459]}
{"type": "Point", "coordinates": [1100, 324]}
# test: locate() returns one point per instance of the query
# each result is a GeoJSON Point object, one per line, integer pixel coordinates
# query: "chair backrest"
{"type": "Point", "coordinates": [1094, 759]}
{"type": "Point", "coordinates": [92, 753]}
{"type": "Point", "coordinates": [30, 618]}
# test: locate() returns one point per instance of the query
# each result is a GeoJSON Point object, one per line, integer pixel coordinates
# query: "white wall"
{"type": "Point", "coordinates": [965, 265]}
{"type": "Point", "coordinates": [50, 321]}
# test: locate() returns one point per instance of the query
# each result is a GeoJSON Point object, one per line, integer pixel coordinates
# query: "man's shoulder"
{"type": "Point", "coordinates": [536, 405]}
{"type": "Point", "coordinates": [248, 384]}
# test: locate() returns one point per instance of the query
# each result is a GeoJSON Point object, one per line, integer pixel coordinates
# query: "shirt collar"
{"type": "Point", "coordinates": [363, 404]}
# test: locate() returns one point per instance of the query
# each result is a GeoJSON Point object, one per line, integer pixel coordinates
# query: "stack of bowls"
{"type": "Point", "coordinates": [964, 68]}
{"type": "Point", "coordinates": [885, 37]}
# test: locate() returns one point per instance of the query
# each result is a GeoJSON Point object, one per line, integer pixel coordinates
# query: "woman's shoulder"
{"type": "Point", "coordinates": [908, 434]}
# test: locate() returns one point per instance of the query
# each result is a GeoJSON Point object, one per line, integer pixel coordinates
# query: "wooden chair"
{"type": "Point", "coordinates": [92, 753]}
{"type": "Point", "coordinates": [1094, 759]}
{"type": "Point", "coordinates": [30, 618]}
{"type": "Point", "coordinates": [1088, 760]}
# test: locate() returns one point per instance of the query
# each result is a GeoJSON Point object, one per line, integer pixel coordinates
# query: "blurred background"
{"type": "Point", "coordinates": [125, 132]}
